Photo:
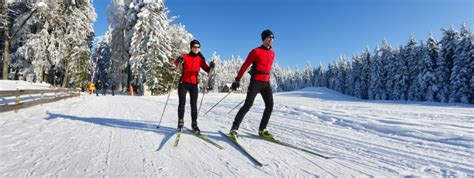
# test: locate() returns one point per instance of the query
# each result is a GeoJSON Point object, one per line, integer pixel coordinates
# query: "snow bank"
{"type": "Point", "coordinates": [17, 84]}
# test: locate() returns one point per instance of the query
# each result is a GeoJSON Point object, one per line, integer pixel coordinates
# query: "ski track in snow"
{"type": "Point", "coordinates": [117, 136]}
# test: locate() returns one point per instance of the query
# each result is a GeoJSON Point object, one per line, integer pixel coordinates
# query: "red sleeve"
{"type": "Point", "coordinates": [205, 66]}
{"type": "Point", "coordinates": [250, 59]}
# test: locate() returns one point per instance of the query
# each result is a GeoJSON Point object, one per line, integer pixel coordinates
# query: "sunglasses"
{"type": "Point", "coordinates": [196, 47]}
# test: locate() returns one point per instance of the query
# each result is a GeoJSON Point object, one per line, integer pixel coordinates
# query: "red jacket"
{"type": "Point", "coordinates": [191, 67]}
{"type": "Point", "coordinates": [262, 60]}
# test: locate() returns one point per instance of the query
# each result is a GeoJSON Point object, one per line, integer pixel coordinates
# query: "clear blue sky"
{"type": "Point", "coordinates": [309, 30]}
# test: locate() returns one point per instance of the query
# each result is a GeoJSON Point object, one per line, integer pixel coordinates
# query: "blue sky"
{"type": "Point", "coordinates": [309, 30]}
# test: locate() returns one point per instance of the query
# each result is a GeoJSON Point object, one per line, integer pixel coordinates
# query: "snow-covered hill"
{"type": "Point", "coordinates": [116, 136]}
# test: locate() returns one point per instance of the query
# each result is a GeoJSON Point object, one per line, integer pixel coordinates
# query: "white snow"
{"type": "Point", "coordinates": [116, 136]}
{"type": "Point", "coordinates": [41, 5]}
{"type": "Point", "coordinates": [18, 84]}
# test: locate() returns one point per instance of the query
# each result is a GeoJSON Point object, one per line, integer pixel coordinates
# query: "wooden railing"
{"type": "Point", "coordinates": [41, 100]}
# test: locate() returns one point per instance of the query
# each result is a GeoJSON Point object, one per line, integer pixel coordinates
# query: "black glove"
{"type": "Point", "coordinates": [180, 60]}
{"type": "Point", "coordinates": [212, 65]}
{"type": "Point", "coordinates": [235, 85]}
{"type": "Point", "coordinates": [209, 88]}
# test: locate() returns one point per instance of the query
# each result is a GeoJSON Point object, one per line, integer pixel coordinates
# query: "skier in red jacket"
{"type": "Point", "coordinates": [191, 65]}
{"type": "Point", "coordinates": [261, 59]}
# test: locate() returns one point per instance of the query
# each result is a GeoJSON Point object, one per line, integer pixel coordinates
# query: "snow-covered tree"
{"type": "Point", "coordinates": [308, 77]}
{"type": "Point", "coordinates": [318, 74]}
{"type": "Point", "coordinates": [180, 39]}
{"type": "Point", "coordinates": [101, 59]}
{"type": "Point", "coordinates": [426, 78]}
{"type": "Point", "coordinates": [377, 77]}
{"type": "Point", "coordinates": [150, 50]}
{"type": "Point", "coordinates": [461, 72]}
{"type": "Point", "coordinates": [445, 63]}
{"type": "Point", "coordinates": [54, 44]}
{"type": "Point", "coordinates": [410, 54]}
{"type": "Point", "coordinates": [388, 60]}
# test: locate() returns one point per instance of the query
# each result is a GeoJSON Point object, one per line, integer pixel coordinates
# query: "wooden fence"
{"type": "Point", "coordinates": [19, 92]}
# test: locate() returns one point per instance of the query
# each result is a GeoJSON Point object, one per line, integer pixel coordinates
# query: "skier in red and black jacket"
{"type": "Point", "coordinates": [261, 59]}
{"type": "Point", "coordinates": [191, 65]}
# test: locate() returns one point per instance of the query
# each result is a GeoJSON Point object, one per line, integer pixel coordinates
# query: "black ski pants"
{"type": "Point", "coordinates": [265, 90]}
{"type": "Point", "coordinates": [183, 88]}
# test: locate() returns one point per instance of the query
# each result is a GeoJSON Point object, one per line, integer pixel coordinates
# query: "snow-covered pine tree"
{"type": "Point", "coordinates": [349, 80]}
{"type": "Point", "coordinates": [180, 39]}
{"type": "Point", "coordinates": [119, 44]}
{"type": "Point", "coordinates": [410, 55]}
{"type": "Point", "coordinates": [357, 75]}
{"type": "Point", "coordinates": [308, 75]}
{"type": "Point", "coordinates": [213, 80]}
{"type": "Point", "coordinates": [54, 44]}
{"type": "Point", "coordinates": [103, 64]}
{"type": "Point", "coordinates": [331, 75]}
{"type": "Point", "coordinates": [123, 16]}
{"type": "Point", "coordinates": [445, 63]}
{"type": "Point", "coordinates": [377, 77]}
{"type": "Point", "coordinates": [277, 76]}
{"type": "Point", "coordinates": [79, 38]}
{"type": "Point", "coordinates": [392, 72]}
{"type": "Point", "coordinates": [416, 93]}
{"type": "Point", "coordinates": [470, 55]}
{"type": "Point", "coordinates": [388, 60]}
{"type": "Point", "coordinates": [426, 78]}
{"type": "Point", "coordinates": [365, 73]}
{"type": "Point", "coordinates": [319, 76]}
{"type": "Point", "coordinates": [150, 49]}
{"type": "Point", "coordinates": [460, 73]}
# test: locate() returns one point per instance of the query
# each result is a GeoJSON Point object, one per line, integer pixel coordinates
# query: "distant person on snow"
{"type": "Point", "coordinates": [98, 87]}
{"type": "Point", "coordinates": [113, 90]}
{"type": "Point", "coordinates": [104, 89]}
{"type": "Point", "coordinates": [191, 65]}
{"type": "Point", "coordinates": [261, 59]}
{"type": "Point", "coordinates": [91, 88]}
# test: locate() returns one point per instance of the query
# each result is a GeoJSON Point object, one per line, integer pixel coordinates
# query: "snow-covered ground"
{"type": "Point", "coordinates": [18, 84]}
{"type": "Point", "coordinates": [116, 136]}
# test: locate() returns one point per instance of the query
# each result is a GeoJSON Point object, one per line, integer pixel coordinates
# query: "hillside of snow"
{"type": "Point", "coordinates": [117, 136]}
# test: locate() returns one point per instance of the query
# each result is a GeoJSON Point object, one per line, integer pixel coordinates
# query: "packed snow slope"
{"type": "Point", "coordinates": [117, 136]}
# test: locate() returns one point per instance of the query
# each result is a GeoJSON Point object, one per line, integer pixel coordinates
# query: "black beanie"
{"type": "Point", "coordinates": [266, 34]}
{"type": "Point", "coordinates": [194, 42]}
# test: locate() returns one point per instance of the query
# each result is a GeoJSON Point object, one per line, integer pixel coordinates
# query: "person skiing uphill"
{"type": "Point", "coordinates": [261, 59]}
{"type": "Point", "coordinates": [188, 82]}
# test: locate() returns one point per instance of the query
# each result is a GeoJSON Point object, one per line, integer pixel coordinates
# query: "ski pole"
{"type": "Point", "coordinates": [167, 98]}
{"type": "Point", "coordinates": [204, 93]}
{"type": "Point", "coordinates": [217, 103]}
{"type": "Point", "coordinates": [234, 108]}
{"type": "Point", "coordinates": [200, 104]}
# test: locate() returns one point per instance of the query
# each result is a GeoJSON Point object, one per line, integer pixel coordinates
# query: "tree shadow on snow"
{"type": "Point", "coordinates": [168, 132]}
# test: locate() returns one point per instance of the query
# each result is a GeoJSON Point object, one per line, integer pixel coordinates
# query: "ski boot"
{"type": "Point", "coordinates": [180, 125]}
{"type": "Point", "coordinates": [265, 134]}
{"type": "Point", "coordinates": [196, 129]}
{"type": "Point", "coordinates": [233, 134]}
